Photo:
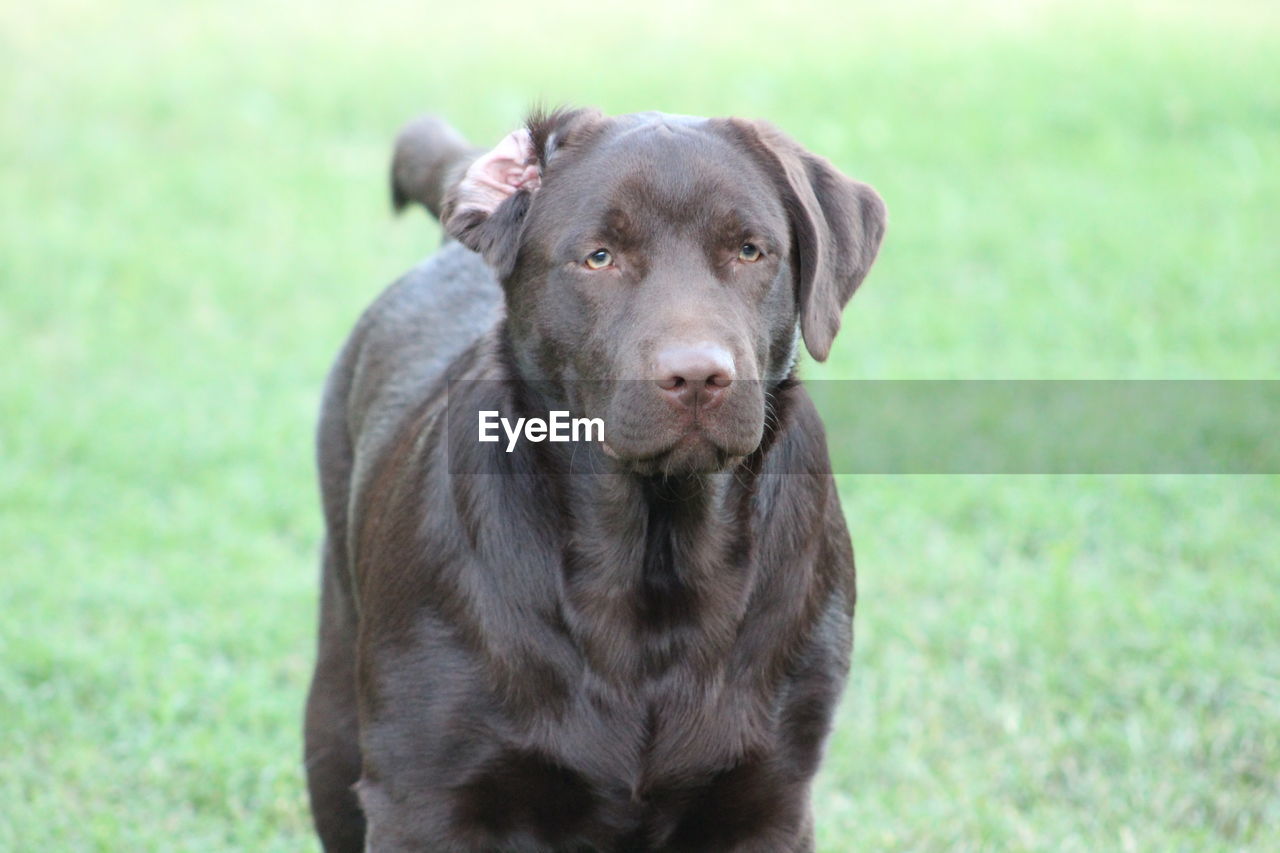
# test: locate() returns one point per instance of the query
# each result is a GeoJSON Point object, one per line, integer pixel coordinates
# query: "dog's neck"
{"type": "Point", "coordinates": [655, 565]}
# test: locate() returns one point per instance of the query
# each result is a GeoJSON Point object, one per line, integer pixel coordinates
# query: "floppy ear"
{"type": "Point", "coordinates": [836, 225]}
{"type": "Point", "coordinates": [485, 210]}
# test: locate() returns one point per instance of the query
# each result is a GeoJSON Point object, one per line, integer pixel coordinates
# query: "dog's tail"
{"type": "Point", "coordinates": [430, 157]}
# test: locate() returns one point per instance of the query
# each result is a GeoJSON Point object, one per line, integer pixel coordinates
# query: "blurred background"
{"type": "Point", "coordinates": [193, 210]}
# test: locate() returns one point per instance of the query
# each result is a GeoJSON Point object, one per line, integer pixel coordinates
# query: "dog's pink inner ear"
{"type": "Point", "coordinates": [497, 175]}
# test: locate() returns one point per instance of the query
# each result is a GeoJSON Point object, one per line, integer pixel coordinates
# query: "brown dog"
{"type": "Point", "coordinates": [631, 644]}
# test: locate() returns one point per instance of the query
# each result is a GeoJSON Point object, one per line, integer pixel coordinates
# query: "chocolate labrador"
{"type": "Point", "coordinates": [634, 642]}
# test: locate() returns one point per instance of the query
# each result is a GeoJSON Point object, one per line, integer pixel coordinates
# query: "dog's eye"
{"type": "Point", "coordinates": [750, 253]}
{"type": "Point", "coordinates": [599, 259]}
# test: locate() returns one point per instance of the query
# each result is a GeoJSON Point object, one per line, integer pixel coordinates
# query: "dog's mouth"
{"type": "Point", "coordinates": [694, 452]}
{"type": "Point", "coordinates": [645, 433]}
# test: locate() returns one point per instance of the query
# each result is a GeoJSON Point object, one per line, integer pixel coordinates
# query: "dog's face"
{"type": "Point", "coordinates": [659, 271]}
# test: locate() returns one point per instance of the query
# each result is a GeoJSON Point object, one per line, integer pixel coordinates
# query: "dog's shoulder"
{"type": "Point", "coordinates": [408, 337]}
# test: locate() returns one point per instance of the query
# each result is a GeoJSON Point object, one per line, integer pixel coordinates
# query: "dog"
{"type": "Point", "coordinates": [632, 643]}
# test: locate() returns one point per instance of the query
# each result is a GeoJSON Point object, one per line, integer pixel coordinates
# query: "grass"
{"type": "Point", "coordinates": [193, 210]}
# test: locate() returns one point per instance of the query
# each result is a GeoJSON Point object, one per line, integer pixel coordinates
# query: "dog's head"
{"type": "Point", "coordinates": [682, 256]}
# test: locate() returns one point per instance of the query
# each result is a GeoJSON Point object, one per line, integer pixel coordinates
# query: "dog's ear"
{"type": "Point", "coordinates": [486, 209]}
{"type": "Point", "coordinates": [836, 224]}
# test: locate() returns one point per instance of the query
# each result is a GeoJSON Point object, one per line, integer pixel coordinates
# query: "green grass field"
{"type": "Point", "coordinates": [193, 211]}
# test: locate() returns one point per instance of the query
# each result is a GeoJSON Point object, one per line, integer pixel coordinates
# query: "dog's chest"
{"type": "Point", "coordinates": [654, 718]}
{"type": "Point", "coordinates": [652, 702]}
{"type": "Point", "coordinates": [622, 763]}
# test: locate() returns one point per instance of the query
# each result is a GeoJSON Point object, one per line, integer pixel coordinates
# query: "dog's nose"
{"type": "Point", "coordinates": [695, 375]}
